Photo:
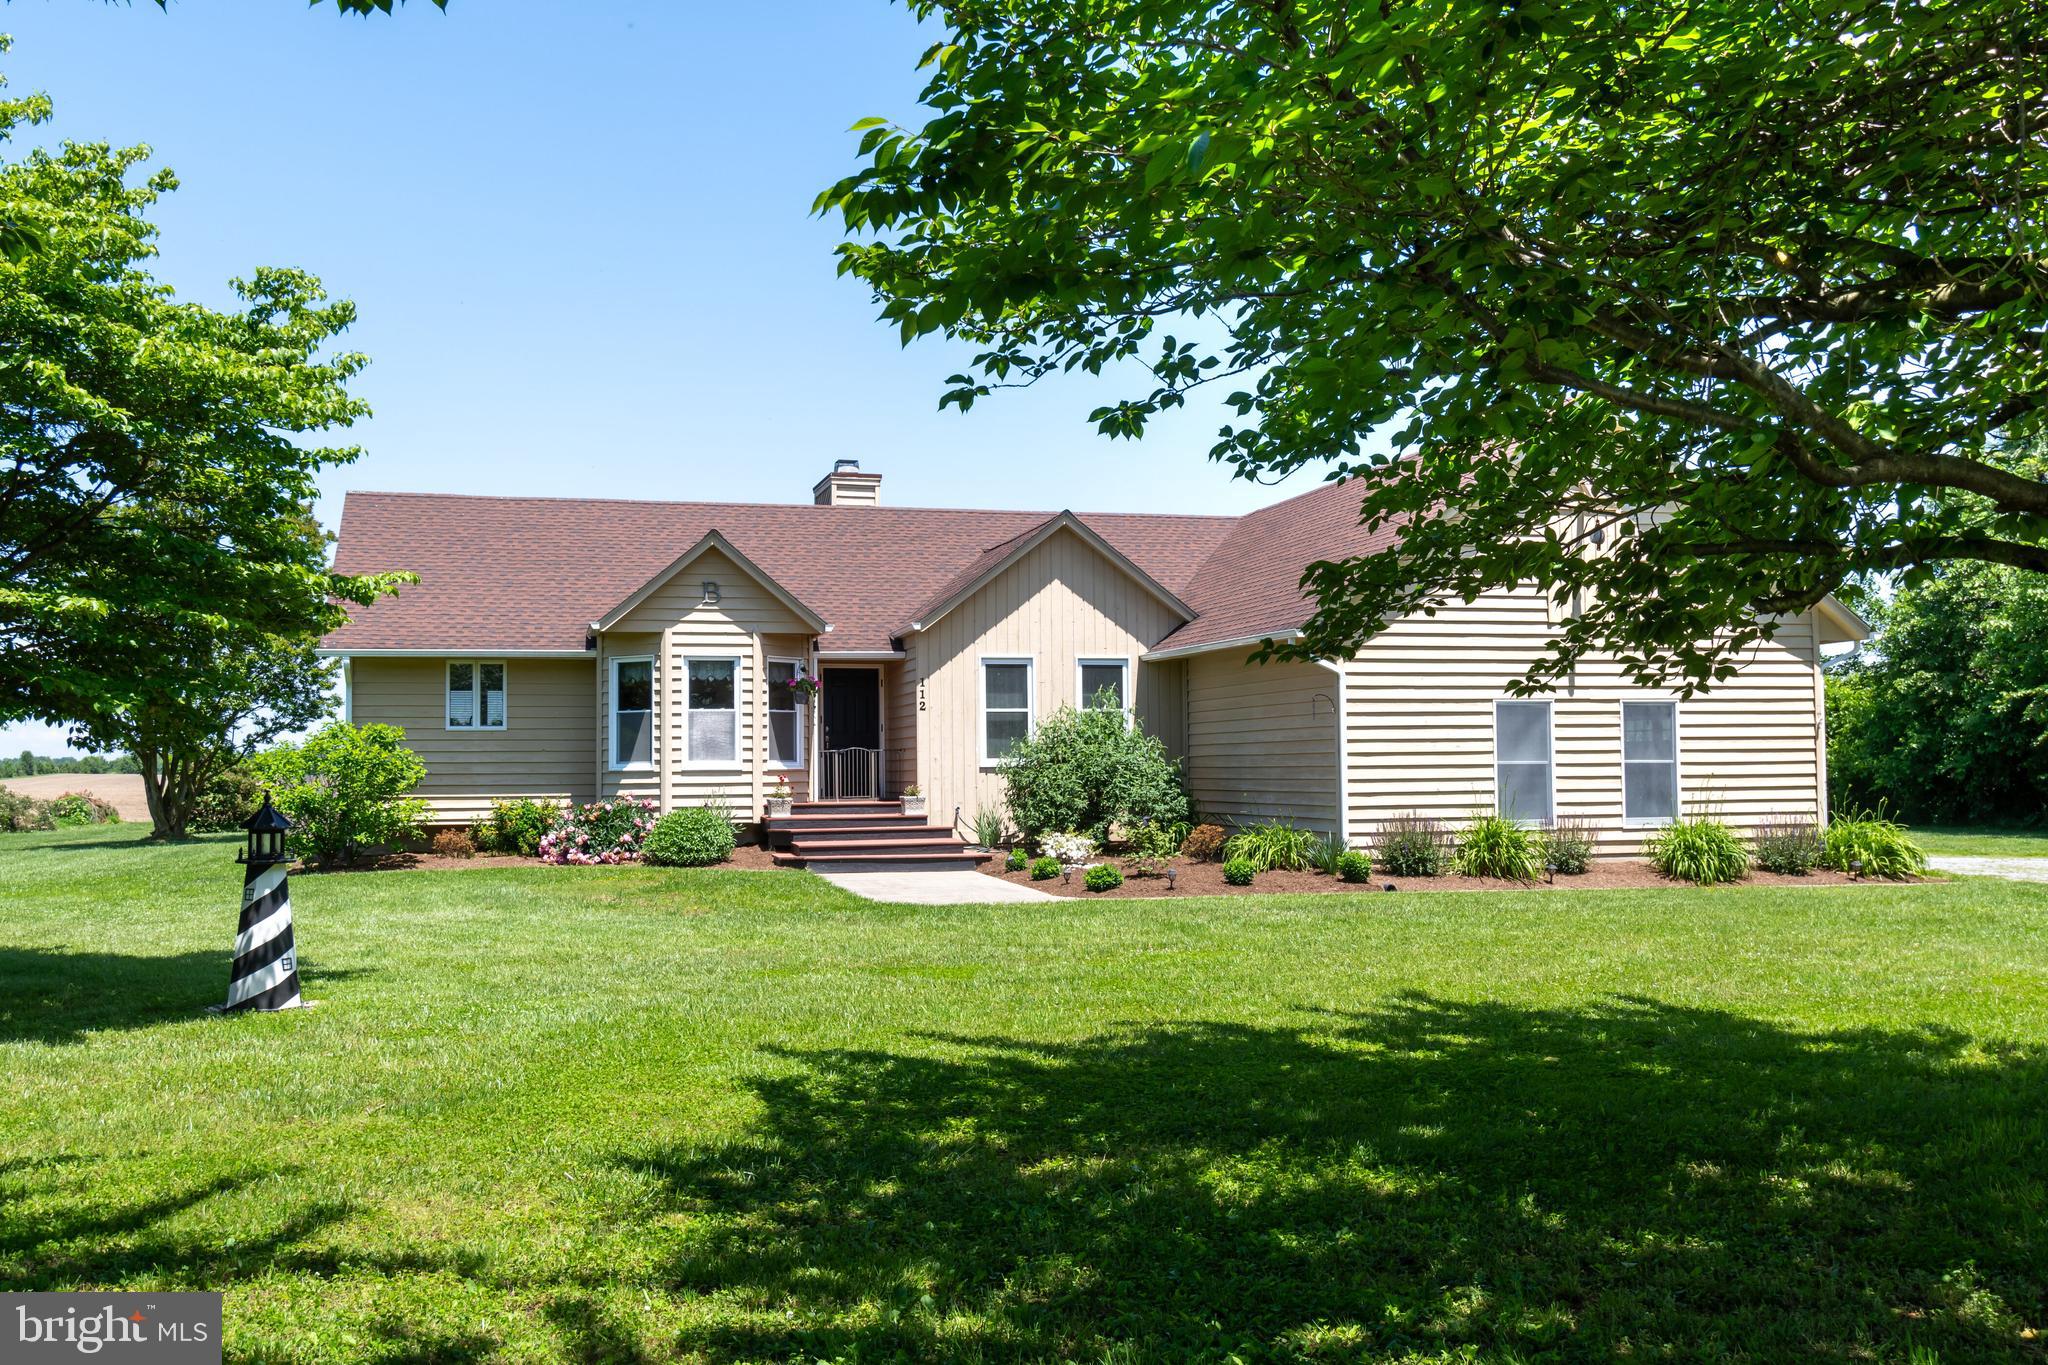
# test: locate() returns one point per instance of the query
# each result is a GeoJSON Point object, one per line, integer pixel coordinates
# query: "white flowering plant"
{"type": "Point", "coordinates": [1069, 848]}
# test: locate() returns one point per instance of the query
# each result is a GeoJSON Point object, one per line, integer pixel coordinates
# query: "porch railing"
{"type": "Point", "coordinates": [853, 775]}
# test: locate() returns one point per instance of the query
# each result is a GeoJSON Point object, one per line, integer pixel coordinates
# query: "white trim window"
{"type": "Point", "coordinates": [1006, 690]}
{"type": "Point", "coordinates": [711, 715]}
{"type": "Point", "coordinates": [787, 711]}
{"type": "Point", "coordinates": [1524, 762]}
{"type": "Point", "coordinates": [475, 694]}
{"type": "Point", "coordinates": [1093, 677]}
{"type": "Point", "coordinates": [1649, 762]}
{"type": "Point", "coordinates": [632, 715]}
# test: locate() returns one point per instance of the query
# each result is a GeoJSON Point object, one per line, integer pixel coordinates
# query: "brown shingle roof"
{"type": "Point", "coordinates": [500, 574]}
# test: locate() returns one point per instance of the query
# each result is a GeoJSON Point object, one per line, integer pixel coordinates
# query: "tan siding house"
{"type": "Point", "coordinates": [707, 653]}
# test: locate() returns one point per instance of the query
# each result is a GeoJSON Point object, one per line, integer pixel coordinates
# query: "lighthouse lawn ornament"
{"type": "Point", "coordinates": [266, 971]}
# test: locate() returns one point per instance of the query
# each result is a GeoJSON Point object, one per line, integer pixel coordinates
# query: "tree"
{"type": "Point", "coordinates": [1946, 716]}
{"type": "Point", "coordinates": [214, 698]}
{"type": "Point", "coordinates": [153, 502]}
{"type": "Point", "coordinates": [1687, 311]}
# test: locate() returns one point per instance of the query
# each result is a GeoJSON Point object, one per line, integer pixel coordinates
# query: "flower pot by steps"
{"type": "Point", "coordinates": [778, 806]}
{"type": "Point", "coordinates": [913, 805]}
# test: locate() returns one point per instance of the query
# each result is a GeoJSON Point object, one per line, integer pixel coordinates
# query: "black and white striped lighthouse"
{"type": "Point", "coordinates": [266, 971]}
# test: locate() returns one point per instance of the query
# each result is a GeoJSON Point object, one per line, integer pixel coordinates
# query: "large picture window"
{"type": "Point", "coordinates": [632, 713]}
{"type": "Point", "coordinates": [1005, 706]}
{"type": "Point", "coordinates": [712, 716]}
{"type": "Point", "coordinates": [476, 695]}
{"type": "Point", "coordinates": [1105, 676]}
{"type": "Point", "coordinates": [785, 715]}
{"type": "Point", "coordinates": [1522, 760]}
{"type": "Point", "coordinates": [1649, 762]}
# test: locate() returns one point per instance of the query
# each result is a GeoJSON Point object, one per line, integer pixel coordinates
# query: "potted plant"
{"type": "Point", "coordinates": [779, 799]}
{"type": "Point", "coordinates": [804, 686]}
{"type": "Point", "coordinates": [913, 800]}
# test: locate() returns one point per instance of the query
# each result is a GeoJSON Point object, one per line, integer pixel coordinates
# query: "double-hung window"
{"type": "Point", "coordinates": [476, 695]}
{"type": "Point", "coordinates": [1005, 706]}
{"type": "Point", "coordinates": [1102, 679]}
{"type": "Point", "coordinates": [632, 713]}
{"type": "Point", "coordinates": [785, 715]}
{"type": "Point", "coordinates": [1649, 762]}
{"type": "Point", "coordinates": [712, 718]}
{"type": "Point", "coordinates": [1523, 760]}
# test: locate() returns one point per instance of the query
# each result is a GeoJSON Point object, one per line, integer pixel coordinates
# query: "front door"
{"type": "Point", "coordinates": [852, 741]}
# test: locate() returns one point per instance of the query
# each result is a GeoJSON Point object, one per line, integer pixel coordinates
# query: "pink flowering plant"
{"type": "Point", "coordinates": [602, 832]}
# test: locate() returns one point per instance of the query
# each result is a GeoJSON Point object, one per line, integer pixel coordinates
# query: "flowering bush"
{"type": "Point", "coordinates": [601, 832]}
{"type": "Point", "coordinates": [1068, 848]}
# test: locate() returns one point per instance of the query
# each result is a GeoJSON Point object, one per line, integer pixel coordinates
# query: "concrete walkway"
{"type": "Point", "coordinates": [934, 888]}
{"type": "Point", "coordinates": [2014, 869]}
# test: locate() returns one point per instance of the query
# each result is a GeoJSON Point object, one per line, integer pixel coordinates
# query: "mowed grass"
{"type": "Point", "coordinates": [627, 1114]}
{"type": "Point", "coordinates": [1982, 841]}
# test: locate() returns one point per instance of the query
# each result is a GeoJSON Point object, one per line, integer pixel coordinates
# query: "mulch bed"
{"type": "Point", "coordinates": [1206, 879]}
{"type": "Point", "coordinates": [745, 858]}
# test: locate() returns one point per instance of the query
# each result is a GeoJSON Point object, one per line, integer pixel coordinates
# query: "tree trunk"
{"type": "Point", "coordinates": [168, 813]}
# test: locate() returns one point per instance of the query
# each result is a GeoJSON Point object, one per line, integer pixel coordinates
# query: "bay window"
{"type": "Point", "coordinates": [711, 717]}
{"type": "Point", "coordinates": [786, 710]}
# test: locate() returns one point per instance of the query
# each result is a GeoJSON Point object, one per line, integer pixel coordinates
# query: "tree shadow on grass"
{"type": "Point", "coordinates": [50, 995]}
{"type": "Point", "coordinates": [1429, 1178]}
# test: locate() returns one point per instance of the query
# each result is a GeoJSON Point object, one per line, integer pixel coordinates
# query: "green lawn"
{"type": "Point", "coordinates": [626, 1114]}
{"type": "Point", "coordinates": [1983, 842]}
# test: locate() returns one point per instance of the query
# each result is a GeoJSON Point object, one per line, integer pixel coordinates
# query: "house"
{"type": "Point", "coordinates": [568, 649]}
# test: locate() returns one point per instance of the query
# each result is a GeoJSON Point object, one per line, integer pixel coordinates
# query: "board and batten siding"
{"type": "Point", "coordinates": [1064, 601]}
{"type": "Point", "coordinates": [1262, 741]}
{"type": "Point", "coordinates": [544, 751]}
{"type": "Point", "coordinates": [1419, 725]}
{"type": "Point", "coordinates": [676, 623]}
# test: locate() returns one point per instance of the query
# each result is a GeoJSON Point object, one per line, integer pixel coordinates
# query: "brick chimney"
{"type": "Point", "coordinates": [846, 486]}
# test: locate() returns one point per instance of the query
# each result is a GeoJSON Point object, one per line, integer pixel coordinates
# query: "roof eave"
{"type": "Point", "coordinates": [1235, 642]}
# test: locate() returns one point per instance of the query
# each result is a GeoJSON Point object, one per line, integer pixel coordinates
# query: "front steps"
{"type": "Point", "coordinates": [865, 836]}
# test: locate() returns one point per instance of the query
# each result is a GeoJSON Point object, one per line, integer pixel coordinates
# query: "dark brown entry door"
{"type": "Point", "coordinates": [852, 700]}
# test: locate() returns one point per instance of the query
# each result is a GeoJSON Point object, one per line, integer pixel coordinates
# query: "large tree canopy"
{"type": "Point", "coordinates": [150, 486]}
{"type": "Point", "coordinates": [1688, 311]}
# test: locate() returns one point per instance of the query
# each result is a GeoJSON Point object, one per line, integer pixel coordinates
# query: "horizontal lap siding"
{"type": "Point", "coordinates": [1060, 603]}
{"type": "Point", "coordinates": [543, 752]}
{"type": "Point", "coordinates": [1262, 741]}
{"type": "Point", "coordinates": [674, 623]}
{"type": "Point", "coordinates": [1420, 738]}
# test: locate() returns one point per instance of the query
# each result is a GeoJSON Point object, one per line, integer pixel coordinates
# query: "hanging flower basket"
{"type": "Point", "coordinates": [803, 685]}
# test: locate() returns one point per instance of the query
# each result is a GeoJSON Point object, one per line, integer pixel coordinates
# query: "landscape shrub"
{"type": "Point", "coordinates": [1067, 849]}
{"type": "Point", "coordinates": [82, 808]}
{"type": "Point", "coordinates": [1701, 850]}
{"type": "Point", "coordinates": [1354, 866]}
{"type": "Point", "coordinates": [1787, 845]}
{"type": "Point", "coordinates": [1239, 871]}
{"type": "Point", "coordinates": [226, 802]}
{"type": "Point", "coordinates": [1495, 846]}
{"type": "Point", "coordinates": [694, 837]}
{"type": "Point", "coordinates": [1044, 869]}
{"type": "Point", "coordinates": [1883, 846]}
{"type": "Point", "coordinates": [518, 826]}
{"type": "Point", "coordinates": [344, 789]}
{"type": "Point", "coordinates": [1274, 845]}
{"type": "Point", "coordinates": [20, 814]}
{"type": "Point", "coordinates": [1204, 843]}
{"type": "Point", "coordinates": [454, 843]}
{"type": "Point", "coordinates": [1089, 770]}
{"type": "Point", "coordinates": [610, 831]}
{"type": "Point", "coordinates": [1150, 848]}
{"type": "Point", "coordinates": [1567, 846]}
{"type": "Point", "coordinates": [1018, 860]}
{"type": "Point", "coordinates": [1414, 846]}
{"type": "Point", "coordinates": [1103, 877]}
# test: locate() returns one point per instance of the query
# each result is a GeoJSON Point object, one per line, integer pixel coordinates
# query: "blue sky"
{"type": "Point", "coordinates": [580, 241]}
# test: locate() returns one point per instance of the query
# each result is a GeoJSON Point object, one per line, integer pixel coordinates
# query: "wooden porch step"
{"type": "Point", "coordinates": [941, 839]}
{"type": "Point", "coordinates": [961, 857]}
{"type": "Point", "coordinates": [844, 807]}
{"type": "Point", "coordinates": [862, 834]}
